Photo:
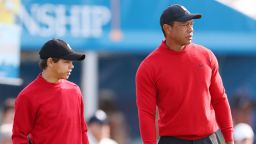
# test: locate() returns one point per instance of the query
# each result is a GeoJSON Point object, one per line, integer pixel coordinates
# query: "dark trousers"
{"type": "Point", "coordinates": [215, 138]}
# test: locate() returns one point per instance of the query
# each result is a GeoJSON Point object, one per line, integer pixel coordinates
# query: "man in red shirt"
{"type": "Point", "coordinates": [182, 80]}
{"type": "Point", "coordinates": [50, 109]}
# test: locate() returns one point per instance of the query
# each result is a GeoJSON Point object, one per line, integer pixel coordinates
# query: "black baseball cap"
{"type": "Point", "coordinates": [100, 117]}
{"type": "Point", "coordinates": [57, 48]}
{"type": "Point", "coordinates": [177, 12]}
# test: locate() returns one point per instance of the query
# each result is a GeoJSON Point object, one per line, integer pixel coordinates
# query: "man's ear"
{"type": "Point", "coordinates": [49, 62]}
{"type": "Point", "coordinates": [167, 28]}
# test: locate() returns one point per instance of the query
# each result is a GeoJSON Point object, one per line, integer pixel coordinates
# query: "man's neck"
{"type": "Point", "coordinates": [173, 46]}
{"type": "Point", "coordinates": [48, 77]}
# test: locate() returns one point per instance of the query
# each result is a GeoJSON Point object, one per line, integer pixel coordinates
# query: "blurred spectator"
{"type": "Point", "coordinates": [242, 108]}
{"type": "Point", "coordinates": [243, 134]}
{"type": "Point", "coordinates": [7, 121]}
{"type": "Point", "coordinates": [99, 129]}
{"type": "Point", "coordinates": [5, 134]}
{"type": "Point", "coordinates": [8, 111]}
{"type": "Point", "coordinates": [118, 125]}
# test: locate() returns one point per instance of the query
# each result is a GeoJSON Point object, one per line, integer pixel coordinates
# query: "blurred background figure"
{"type": "Point", "coordinates": [8, 111]}
{"type": "Point", "coordinates": [99, 129]}
{"type": "Point", "coordinates": [243, 134]}
{"type": "Point", "coordinates": [5, 134]}
{"type": "Point", "coordinates": [242, 107]}
{"type": "Point", "coordinates": [7, 114]}
{"type": "Point", "coordinates": [116, 118]}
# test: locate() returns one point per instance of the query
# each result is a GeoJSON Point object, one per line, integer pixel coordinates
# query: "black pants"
{"type": "Point", "coordinates": [215, 138]}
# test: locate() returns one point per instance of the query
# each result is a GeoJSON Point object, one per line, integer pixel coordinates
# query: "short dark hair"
{"type": "Point", "coordinates": [43, 62]}
{"type": "Point", "coordinates": [162, 27]}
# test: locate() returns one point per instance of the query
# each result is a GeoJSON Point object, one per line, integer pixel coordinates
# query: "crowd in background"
{"type": "Point", "coordinates": [242, 106]}
{"type": "Point", "coordinates": [108, 125]}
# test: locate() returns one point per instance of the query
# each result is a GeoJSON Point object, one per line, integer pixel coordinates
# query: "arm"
{"type": "Point", "coordinates": [220, 103]}
{"type": "Point", "coordinates": [23, 120]}
{"type": "Point", "coordinates": [146, 103]}
{"type": "Point", "coordinates": [83, 124]}
{"type": "Point", "coordinates": [84, 131]}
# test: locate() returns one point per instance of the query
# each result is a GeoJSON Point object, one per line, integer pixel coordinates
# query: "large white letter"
{"type": "Point", "coordinates": [28, 21]}
{"type": "Point", "coordinates": [45, 15]}
{"type": "Point", "coordinates": [100, 16]}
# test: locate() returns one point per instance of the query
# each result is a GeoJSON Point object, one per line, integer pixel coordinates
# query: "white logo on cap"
{"type": "Point", "coordinates": [69, 47]}
{"type": "Point", "coordinates": [185, 9]}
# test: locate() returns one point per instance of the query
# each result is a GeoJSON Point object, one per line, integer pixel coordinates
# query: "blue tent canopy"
{"type": "Point", "coordinates": [221, 28]}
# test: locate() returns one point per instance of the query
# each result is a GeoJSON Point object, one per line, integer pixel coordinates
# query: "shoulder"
{"type": "Point", "coordinates": [26, 94]}
{"type": "Point", "coordinates": [147, 63]}
{"type": "Point", "coordinates": [70, 85]}
{"type": "Point", "coordinates": [151, 59]}
{"type": "Point", "coordinates": [205, 53]}
{"type": "Point", "coordinates": [31, 88]}
{"type": "Point", "coordinates": [201, 50]}
{"type": "Point", "coordinates": [148, 66]}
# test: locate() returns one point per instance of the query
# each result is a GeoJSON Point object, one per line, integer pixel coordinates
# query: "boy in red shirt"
{"type": "Point", "coordinates": [50, 109]}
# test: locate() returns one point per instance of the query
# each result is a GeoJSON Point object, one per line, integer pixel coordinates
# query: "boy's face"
{"type": "Point", "coordinates": [62, 69]}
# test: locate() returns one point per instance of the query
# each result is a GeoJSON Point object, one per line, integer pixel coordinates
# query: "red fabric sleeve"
{"type": "Point", "coordinates": [220, 102]}
{"type": "Point", "coordinates": [83, 123]}
{"type": "Point", "coordinates": [146, 103]}
{"type": "Point", "coordinates": [24, 117]}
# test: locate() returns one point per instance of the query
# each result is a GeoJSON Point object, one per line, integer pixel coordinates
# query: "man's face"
{"type": "Point", "coordinates": [181, 32]}
{"type": "Point", "coordinates": [62, 69]}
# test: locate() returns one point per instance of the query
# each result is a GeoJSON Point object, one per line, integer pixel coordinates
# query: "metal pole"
{"type": "Point", "coordinates": [90, 83]}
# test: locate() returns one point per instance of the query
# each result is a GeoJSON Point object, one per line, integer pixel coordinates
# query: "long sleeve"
{"type": "Point", "coordinates": [83, 125]}
{"type": "Point", "coordinates": [220, 102]}
{"type": "Point", "coordinates": [146, 103]}
{"type": "Point", "coordinates": [23, 119]}
{"type": "Point", "coordinates": [84, 133]}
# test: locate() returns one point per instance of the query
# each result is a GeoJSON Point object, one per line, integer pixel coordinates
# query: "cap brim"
{"type": "Point", "coordinates": [74, 57]}
{"type": "Point", "coordinates": [189, 17]}
{"type": "Point", "coordinates": [96, 120]}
